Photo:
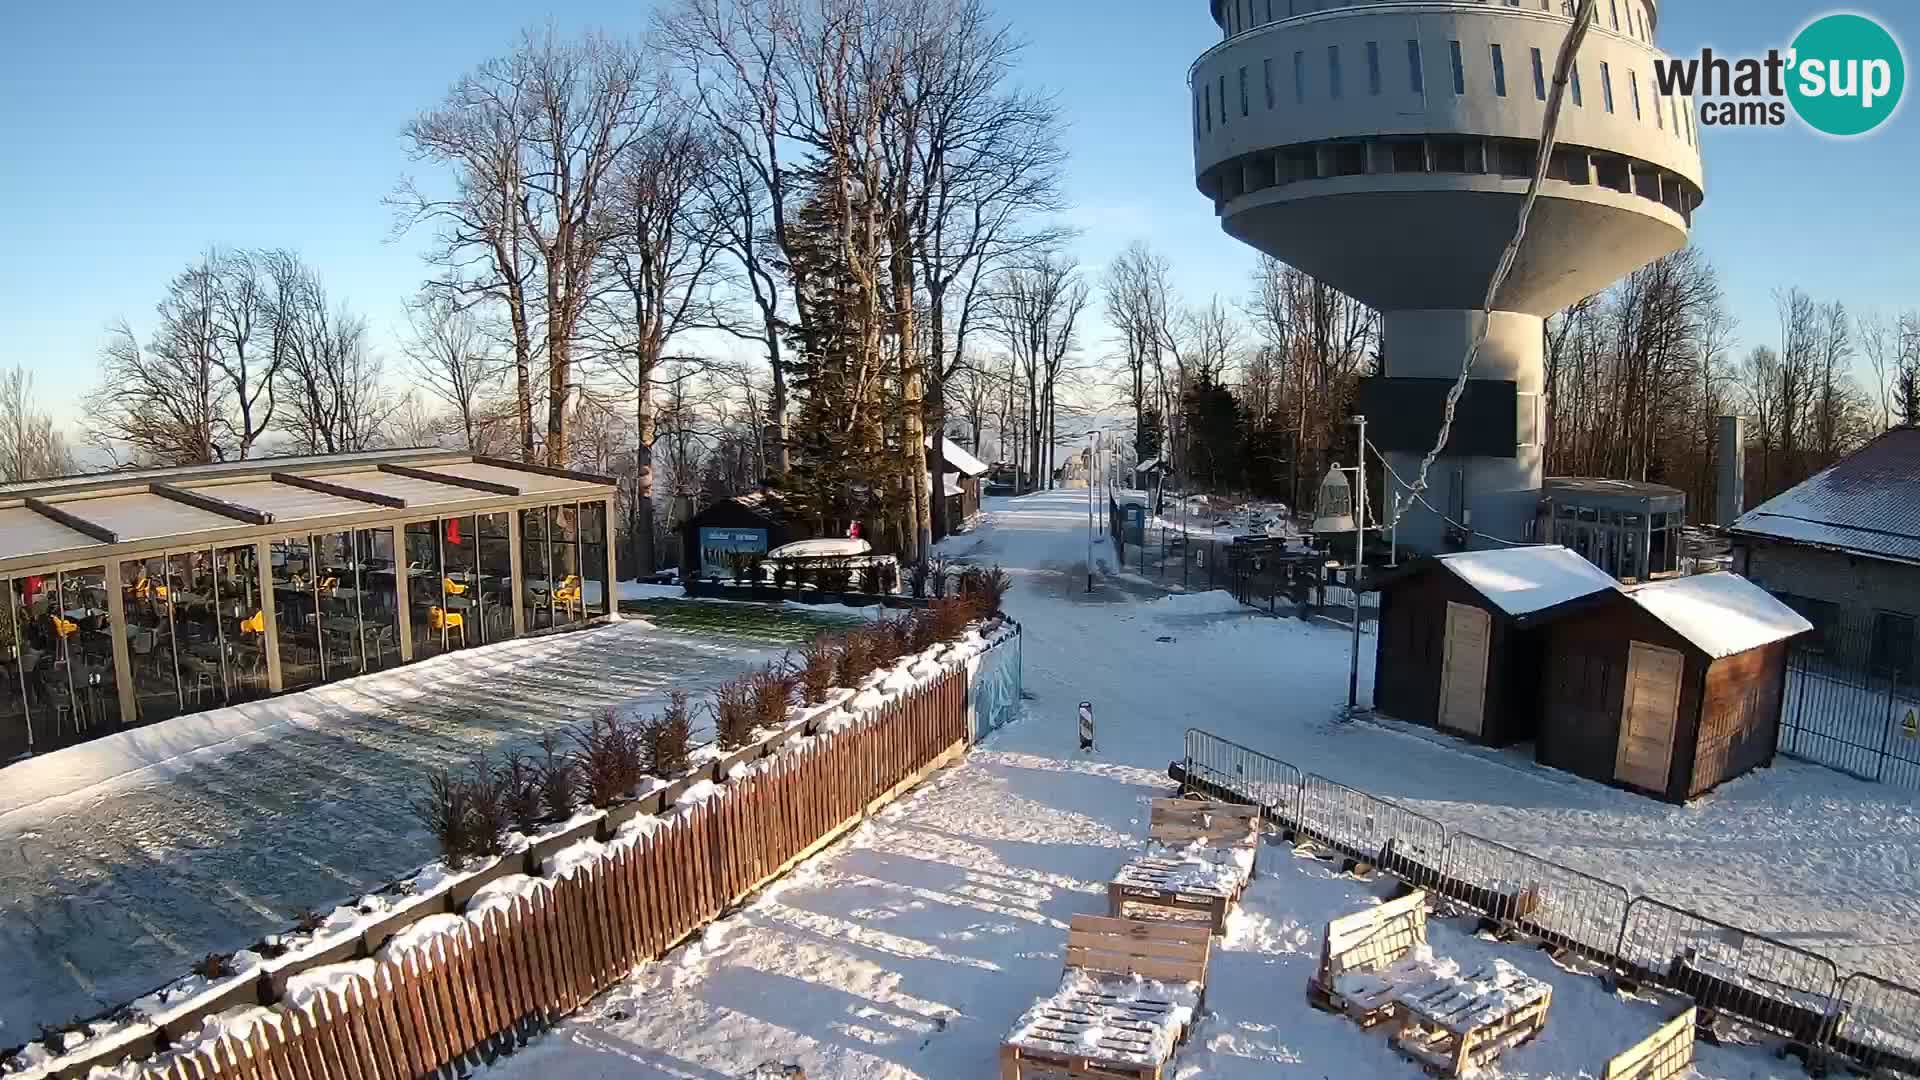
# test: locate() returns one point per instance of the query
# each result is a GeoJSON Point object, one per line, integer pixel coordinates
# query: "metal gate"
{"type": "Point", "coordinates": [1846, 711]}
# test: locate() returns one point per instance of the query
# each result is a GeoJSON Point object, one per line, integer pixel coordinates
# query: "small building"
{"type": "Point", "coordinates": [1460, 642]}
{"type": "Point", "coordinates": [960, 478]}
{"type": "Point", "coordinates": [717, 541]}
{"type": "Point", "coordinates": [1843, 549]}
{"type": "Point", "coordinates": [1670, 688]}
{"type": "Point", "coordinates": [1630, 529]}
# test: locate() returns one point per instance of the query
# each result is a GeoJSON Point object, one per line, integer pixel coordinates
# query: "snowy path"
{"type": "Point", "coordinates": [108, 889]}
{"type": "Point", "coordinates": [908, 949]}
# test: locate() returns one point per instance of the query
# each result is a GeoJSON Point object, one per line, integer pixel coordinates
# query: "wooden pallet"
{"type": "Point", "coordinates": [1135, 884]}
{"type": "Point", "coordinates": [1664, 1055]}
{"type": "Point", "coordinates": [1448, 1031]}
{"type": "Point", "coordinates": [1232, 826]}
{"type": "Point", "coordinates": [1367, 941]}
{"type": "Point", "coordinates": [1123, 948]}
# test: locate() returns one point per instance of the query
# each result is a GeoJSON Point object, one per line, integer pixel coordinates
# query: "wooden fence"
{"type": "Point", "coordinates": [465, 996]}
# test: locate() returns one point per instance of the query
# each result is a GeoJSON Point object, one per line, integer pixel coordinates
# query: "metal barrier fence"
{"type": "Point", "coordinates": [1877, 1023]}
{"type": "Point", "coordinates": [1543, 899]}
{"type": "Point", "coordinates": [1410, 846]}
{"type": "Point", "coordinates": [1867, 1020]}
{"type": "Point", "coordinates": [1730, 970]}
{"type": "Point", "coordinates": [1235, 770]}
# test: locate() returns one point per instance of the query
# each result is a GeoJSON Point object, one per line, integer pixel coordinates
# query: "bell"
{"type": "Point", "coordinates": [1333, 509]}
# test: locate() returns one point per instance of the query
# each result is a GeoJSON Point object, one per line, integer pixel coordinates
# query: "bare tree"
{"type": "Point", "coordinates": [1035, 309]}
{"type": "Point", "coordinates": [327, 377]}
{"type": "Point", "coordinates": [1322, 342]}
{"type": "Point", "coordinates": [531, 138]}
{"type": "Point", "coordinates": [452, 358]}
{"type": "Point", "coordinates": [414, 421]}
{"type": "Point", "coordinates": [159, 404]}
{"type": "Point", "coordinates": [1139, 302]}
{"type": "Point", "coordinates": [31, 448]}
{"type": "Point", "coordinates": [662, 263]}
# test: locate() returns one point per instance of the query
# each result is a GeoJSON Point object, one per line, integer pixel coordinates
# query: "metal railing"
{"type": "Point", "coordinates": [1864, 1019]}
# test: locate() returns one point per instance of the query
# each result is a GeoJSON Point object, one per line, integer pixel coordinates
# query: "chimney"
{"type": "Point", "coordinates": [1731, 483]}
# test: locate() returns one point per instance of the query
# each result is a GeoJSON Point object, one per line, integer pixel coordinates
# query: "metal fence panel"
{"type": "Point", "coordinates": [1221, 768]}
{"type": "Point", "coordinates": [1408, 845]}
{"type": "Point", "coordinates": [1877, 1024]}
{"type": "Point", "coordinates": [1850, 688]}
{"type": "Point", "coordinates": [1734, 971]}
{"type": "Point", "coordinates": [1556, 904]}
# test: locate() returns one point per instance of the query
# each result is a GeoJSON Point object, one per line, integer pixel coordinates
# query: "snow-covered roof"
{"type": "Point", "coordinates": [830, 546]}
{"type": "Point", "coordinates": [1523, 580]}
{"type": "Point", "coordinates": [952, 484]}
{"type": "Point", "coordinates": [966, 463]}
{"type": "Point", "coordinates": [1867, 502]}
{"type": "Point", "coordinates": [1723, 614]}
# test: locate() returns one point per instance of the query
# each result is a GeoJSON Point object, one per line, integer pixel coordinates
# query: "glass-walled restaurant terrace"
{"type": "Point", "coordinates": [137, 596]}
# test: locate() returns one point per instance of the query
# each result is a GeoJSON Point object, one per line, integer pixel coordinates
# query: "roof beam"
{"type": "Point", "coordinates": [73, 521]}
{"type": "Point", "coordinates": [452, 481]}
{"type": "Point", "coordinates": [211, 504]}
{"type": "Point", "coordinates": [308, 483]}
{"type": "Point", "coordinates": [546, 470]}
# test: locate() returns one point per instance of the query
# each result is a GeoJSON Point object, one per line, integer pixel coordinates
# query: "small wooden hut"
{"type": "Point", "coordinates": [1460, 643]}
{"type": "Point", "coordinates": [1669, 688]}
{"type": "Point", "coordinates": [730, 532]}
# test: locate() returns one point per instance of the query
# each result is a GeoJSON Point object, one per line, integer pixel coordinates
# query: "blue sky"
{"type": "Point", "coordinates": [137, 135]}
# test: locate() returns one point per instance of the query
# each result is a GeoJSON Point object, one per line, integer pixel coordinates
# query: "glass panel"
{"type": "Point", "coordinates": [423, 588]}
{"type": "Point", "coordinates": [496, 579]}
{"type": "Point", "coordinates": [533, 564]}
{"type": "Point", "coordinates": [593, 557]}
{"type": "Point", "coordinates": [296, 605]}
{"type": "Point", "coordinates": [459, 583]}
{"type": "Point", "coordinates": [148, 594]}
{"type": "Point", "coordinates": [196, 630]}
{"type": "Point", "coordinates": [564, 528]}
{"type": "Point", "coordinates": [242, 621]}
{"type": "Point", "coordinates": [379, 601]}
{"type": "Point", "coordinates": [19, 671]}
{"type": "Point", "coordinates": [85, 701]}
{"type": "Point", "coordinates": [337, 601]}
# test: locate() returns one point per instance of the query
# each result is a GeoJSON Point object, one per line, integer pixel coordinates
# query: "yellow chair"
{"type": "Point", "coordinates": [327, 585]}
{"type": "Point", "coordinates": [255, 625]}
{"type": "Point", "coordinates": [443, 621]}
{"type": "Point", "coordinates": [451, 587]}
{"type": "Point", "coordinates": [63, 626]}
{"type": "Point", "coordinates": [568, 593]}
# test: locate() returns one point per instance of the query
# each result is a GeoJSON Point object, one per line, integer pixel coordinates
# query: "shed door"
{"type": "Point", "coordinates": [1648, 712]}
{"type": "Point", "coordinates": [1463, 672]}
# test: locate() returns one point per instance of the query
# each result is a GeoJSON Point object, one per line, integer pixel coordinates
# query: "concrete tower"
{"type": "Point", "coordinates": [1384, 146]}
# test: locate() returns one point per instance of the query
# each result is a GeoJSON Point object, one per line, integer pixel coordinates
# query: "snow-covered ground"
{"type": "Point", "coordinates": [123, 861]}
{"type": "Point", "coordinates": [911, 947]}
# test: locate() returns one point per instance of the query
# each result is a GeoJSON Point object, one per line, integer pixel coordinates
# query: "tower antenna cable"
{"type": "Point", "coordinates": [1577, 33]}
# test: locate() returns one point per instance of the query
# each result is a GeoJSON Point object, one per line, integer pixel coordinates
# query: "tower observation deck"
{"type": "Point", "coordinates": [1385, 146]}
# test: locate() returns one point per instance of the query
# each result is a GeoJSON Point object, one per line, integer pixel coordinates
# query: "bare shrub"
{"type": "Point", "coordinates": [214, 965]}
{"type": "Point", "coordinates": [446, 813]}
{"type": "Point", "coordinates": [559, 779]}
{"type": "Point", "coordinates": [987, 588]}
{"type": "Point", "coordinates": [923, 630]}
{"type": "Point", "coordinates": [856, 659]}
{"type": "Point", "coordinates": [520, 777]}
{"type": "Point", "coordinates": [773, 694]}
{"type": "Point", "coordinates": [488, 817]}
{"type": "Point", "coordinates": [666, 740]}
{"type": "Point", "coordinates": [819, 662]}
{"type": "Point", "coordinates": [733, 714]}
{"type": "Point", "coordinates": [611, 761]}
{"type": "Point", "coordinates": [950, 616]}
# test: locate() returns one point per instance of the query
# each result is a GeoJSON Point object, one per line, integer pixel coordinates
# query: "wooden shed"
{"type": "Point", "coordinates": [1670, 688]}
{"type": "Point", "coordinates": [1460, 637]}
{"type": "Point", "coordinates": [714, 539]}
{"type": "Point", "coordinates": [960, 475]}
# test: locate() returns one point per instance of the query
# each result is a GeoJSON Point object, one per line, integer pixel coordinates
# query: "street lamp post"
{"type": "Point", "coordinates": [1359, 563]}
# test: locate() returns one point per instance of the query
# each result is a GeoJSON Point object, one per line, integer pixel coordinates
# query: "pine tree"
{"type": "Point", "coordinates": [1215, 435]}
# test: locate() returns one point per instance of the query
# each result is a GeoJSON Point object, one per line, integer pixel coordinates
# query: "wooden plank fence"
{"type": "Point", "coordinates": [465, 997]}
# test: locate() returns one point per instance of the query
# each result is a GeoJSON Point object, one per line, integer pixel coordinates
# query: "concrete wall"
{"type": "Point", "coordinates": [1860, 586]}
